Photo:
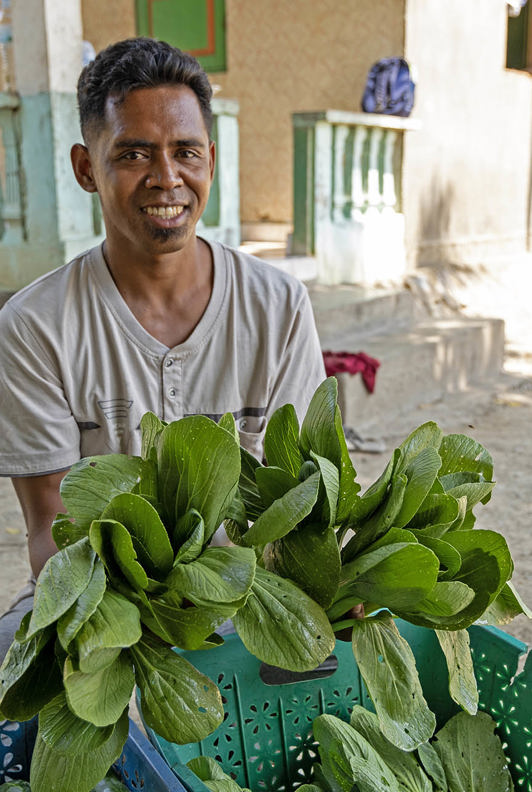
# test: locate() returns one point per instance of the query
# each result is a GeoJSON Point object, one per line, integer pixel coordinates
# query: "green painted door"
{"type": "Point", "coordinates": [195, 26]}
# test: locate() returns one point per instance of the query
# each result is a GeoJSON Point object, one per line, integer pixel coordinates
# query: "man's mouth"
{"type": "Point", "coordinates": [164, 211]}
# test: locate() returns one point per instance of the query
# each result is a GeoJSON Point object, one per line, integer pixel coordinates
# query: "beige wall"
{"type": "Point", "coordinates": [283, 56]}
{"type": "Point", "coordinates": [105, 21]}
{"type": "Point", "coordinates": [287, 56]}
{"type": "Point", "coordinates": [467, 171]}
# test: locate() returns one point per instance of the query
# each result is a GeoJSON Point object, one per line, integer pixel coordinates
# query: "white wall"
{"type": "Point", "coordinates": [467, 171]}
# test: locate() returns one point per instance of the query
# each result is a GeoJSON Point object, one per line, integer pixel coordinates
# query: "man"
{"type": "Point", "coordinates": [154, 319]}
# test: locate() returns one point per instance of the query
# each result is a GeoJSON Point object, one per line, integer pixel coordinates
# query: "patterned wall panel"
{"type": "Point", "coordinates": [286, 56]}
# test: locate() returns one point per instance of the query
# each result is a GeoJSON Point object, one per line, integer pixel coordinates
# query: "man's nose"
{"type": "Point", "coordinates": [164, 173]}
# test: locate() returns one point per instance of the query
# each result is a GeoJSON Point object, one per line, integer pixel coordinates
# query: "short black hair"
{"type": "Point", "coordinates": [138, 63]}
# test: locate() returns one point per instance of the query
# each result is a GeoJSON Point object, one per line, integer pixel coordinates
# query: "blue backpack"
{"type": "Point", "coordinates": [389, 88]}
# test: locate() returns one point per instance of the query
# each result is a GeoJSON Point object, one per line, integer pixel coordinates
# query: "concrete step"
{"type": "Point", "coordinates": [423, 356]}
{"type": "Point", "coordinates": [355, 312]}
{"type": "Point", "coordinates": [418, 366]}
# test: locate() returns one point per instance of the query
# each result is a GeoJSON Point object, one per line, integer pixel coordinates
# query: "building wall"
{"type": "Point", "coordinates": [283, 56]}
{"type": "Point", "coordinates": [105, 22]}
{"type": "Point", "coordinates": [48, 218]}
{"type": "Point", "coordinates": [287, 56]}
{"type": "Point", "coordinates": [467, 171]}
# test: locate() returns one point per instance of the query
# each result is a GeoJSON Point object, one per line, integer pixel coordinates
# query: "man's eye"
{"type": "Point", "coordinates": [187, 154]}
{"type": "Point", "coordinates": [133, 155]}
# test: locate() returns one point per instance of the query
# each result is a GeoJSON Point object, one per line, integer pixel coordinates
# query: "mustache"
{"type": "Point", "coordinates": [168, 197]}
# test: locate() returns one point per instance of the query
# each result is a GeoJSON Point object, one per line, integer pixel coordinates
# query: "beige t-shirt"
{"type": "Point", "coordinates": [78, 371]}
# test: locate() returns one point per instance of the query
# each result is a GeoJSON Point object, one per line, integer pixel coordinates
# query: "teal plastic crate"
{"type": "Point", "coordinates": [139, 767]}
{"type": "Point", "coordinates": [265, 741]}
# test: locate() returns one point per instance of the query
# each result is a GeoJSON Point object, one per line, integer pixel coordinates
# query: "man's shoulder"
{"type": "Point", "coordinates": [49, 294]}
{"type": "Point", "coordinates": [263, 277]}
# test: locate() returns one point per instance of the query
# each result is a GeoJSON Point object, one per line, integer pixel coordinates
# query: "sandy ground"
{"type": "Point", "coordinates": [498, 415]}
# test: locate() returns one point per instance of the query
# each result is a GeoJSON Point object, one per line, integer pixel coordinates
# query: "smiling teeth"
{"type": "Point", "coordinates": [164, 211]}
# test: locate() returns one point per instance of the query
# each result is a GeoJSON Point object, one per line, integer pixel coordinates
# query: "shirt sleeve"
{"type": "Point", "coordinates": [301, 367]}
{"type": "Point", "coordinates": [39, 433]}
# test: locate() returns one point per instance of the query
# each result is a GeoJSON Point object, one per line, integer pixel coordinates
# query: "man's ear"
{"type": "Point", "coordinates": [81, 164]}
{"type": "Point", "coordinates": [212, 157]}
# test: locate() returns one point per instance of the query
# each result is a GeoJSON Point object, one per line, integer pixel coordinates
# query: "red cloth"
{"type": "Point", "coordinates": [352, 363]}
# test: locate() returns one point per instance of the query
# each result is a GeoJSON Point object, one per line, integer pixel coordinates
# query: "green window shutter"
{"type": "Point", "coordinates": [195, 26]}
{"type": "Point", "coordinates": [517, 40]}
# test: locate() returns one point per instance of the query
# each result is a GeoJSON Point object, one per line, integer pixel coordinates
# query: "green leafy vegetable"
{"type": "Point", "coordinates": [407, 545]}
{"type": "Point", "coordinates": [136, 575]}
{"type": "Point", "coordinates": [62, 735]}
{"type": "Point", "coordinates": [212, 775]}
{"type": "Point", "coordinates": [471, 754]}
{"type": "Point", "coordinates": [99, 697]}
{"type": "Point", "coordinates": [114, 625]}
{"type": "Point", "coordinates": [464, 756]}
{"type": "Point", "coordinates": [182, 704]}
{"type": "Point", "coordinates": [282, 626]}
{"type": "Point", "coordinates": [462, 682]}
{"type": "Point", "coordinates": [198, 468]}
{"type": "Point", "coordinates": [70, 623]}
{"type": "Point", "coordinates": [346, 756]}
{"type": "Point", "coordinates": [93, 482]}
{"type": "Point", "coordinates": [64, 577]}
{"type": "Point", "coordinates": [29, 676]}
{"type": "Point", "coordinates": [281, 440]}
{"type": "Point", "coordinates": [284, 514]}
{"type": "Point", "coordinates": [309, 557]}
{"type": "Point", "coordinates": [406, 769]}
{"type": "Point", "coordinates": [388, 668]}
{"type": "Point", "coordinates": [148, 534]}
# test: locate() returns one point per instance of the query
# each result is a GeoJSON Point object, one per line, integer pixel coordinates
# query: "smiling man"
{"type": "Point", "coordinates": [154, 319]}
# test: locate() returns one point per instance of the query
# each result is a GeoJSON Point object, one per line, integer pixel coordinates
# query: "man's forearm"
{"type": "Point", "coordinates": [40, 501]}
{"type": "Point", "coordinates": [41, 547]}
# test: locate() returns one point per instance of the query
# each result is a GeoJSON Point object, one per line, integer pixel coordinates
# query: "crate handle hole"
{"type": "Point", "coordinates": [271, 675]}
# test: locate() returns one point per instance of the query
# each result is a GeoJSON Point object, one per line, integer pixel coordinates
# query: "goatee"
{"type": "Point", "coordinates": [164, 234]}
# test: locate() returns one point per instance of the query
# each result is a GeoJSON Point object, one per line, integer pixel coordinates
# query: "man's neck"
{"type": "Point", "coordinates": [150, 275]}
{"type": "Point", "coordinates": [167, 294]}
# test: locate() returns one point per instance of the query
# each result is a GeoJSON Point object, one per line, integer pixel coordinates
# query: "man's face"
{"type": "Point", "coordinates": [152, 165]}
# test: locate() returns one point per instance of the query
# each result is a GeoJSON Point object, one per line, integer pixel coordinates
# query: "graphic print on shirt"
{"type": "Point", "coordinates": [116, 411]}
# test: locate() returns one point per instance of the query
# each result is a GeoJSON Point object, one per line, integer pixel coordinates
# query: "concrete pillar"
{"type": "Point", "coordinates": [221, 219]}
{"type": "Point", "coordinates": [57, 216]}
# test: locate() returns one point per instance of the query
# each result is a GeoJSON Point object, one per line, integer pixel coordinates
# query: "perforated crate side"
{"type": "Point", "coordinates": [140, 767]}
{"type": "Point", "coordinates": [16, 746]}
{"type": "Point", "coordinates": [505, 691]}
{"type": "Point", "coordinates": [265, 741]}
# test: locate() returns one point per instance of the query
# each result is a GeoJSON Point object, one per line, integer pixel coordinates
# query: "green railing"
{"type": "Point", "coordinates": [347, 195]}
{"type": "Point", "coordinates": [221, 219]}
{"type": "Point", "coordinates": [11, 209]}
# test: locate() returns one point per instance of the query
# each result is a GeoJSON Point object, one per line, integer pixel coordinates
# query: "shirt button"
{"type": "Point", "coordinates": [243, 423]}
{"type": "Point", "coordinates": [169, 362]}
{"type": "Point", "coordinates": [171, 392]}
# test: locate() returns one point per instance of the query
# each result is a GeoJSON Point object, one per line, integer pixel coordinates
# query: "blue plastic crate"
{"type": "Point", "coordinates": [139, 767]}
{"type": "Point", "coordinates": [266, 743]}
